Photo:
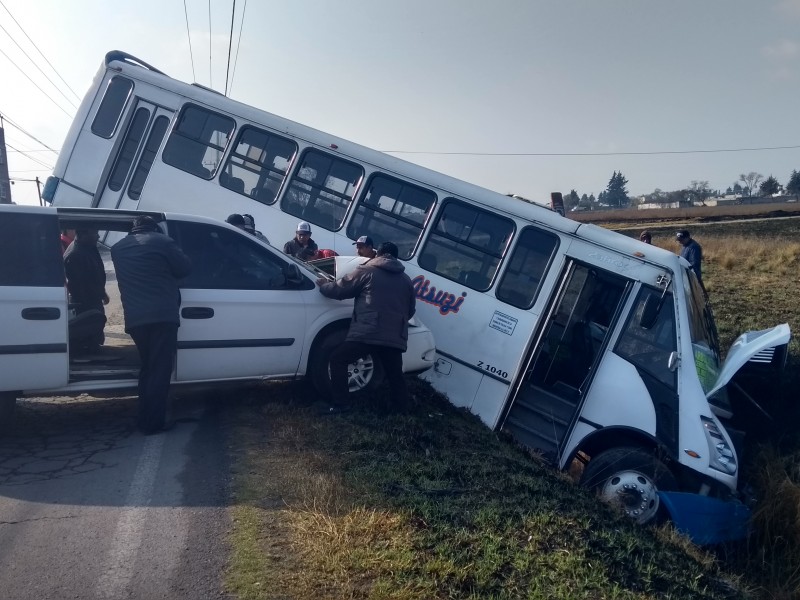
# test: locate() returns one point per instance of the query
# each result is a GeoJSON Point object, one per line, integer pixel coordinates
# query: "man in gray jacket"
{"type": "Point", "coordinates": [148, 265]}
{"type": "Point", "coordinates": [384, 302]}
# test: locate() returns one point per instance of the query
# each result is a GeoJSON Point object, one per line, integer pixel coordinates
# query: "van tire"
{"type": "Point", "coordinates": [366, 376]}
{"type": "Point", "coordinates": [8, 403]}
{"type": "Point", "coordinates": [630, 478]}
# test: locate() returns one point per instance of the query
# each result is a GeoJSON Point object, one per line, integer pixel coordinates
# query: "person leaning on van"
{"type": "Point", "coordinates": [148, 265]}
{"type": "Point", "coordinates": [301, 245]}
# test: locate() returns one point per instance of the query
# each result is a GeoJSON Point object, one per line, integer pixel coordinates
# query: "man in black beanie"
{"type": "Point", "coordinates": [148, 265]}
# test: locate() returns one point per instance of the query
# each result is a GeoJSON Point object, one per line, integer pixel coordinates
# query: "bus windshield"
{"type": "Point", "coordinates": [703, 330]}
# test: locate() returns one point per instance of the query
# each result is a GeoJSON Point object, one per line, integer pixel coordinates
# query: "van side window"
{"type": "Point", "coordinates": [649, 349]}
{"type": "Point", "coordinates": [30, 245]}
{"type": "Point", "coordinates": [198, 140]}
{"type": "Point", "coordinates": [526, 268]}
{"type": "Point", "coordinates": [321, 189]}
{"type": "Point", "coordinates": [111, 106]}
{"type": "Point", "coordinates": [226, 260]}
{"type": "Point", "coordinates": [392, 210]}
{"type": "Point", "coordinates": [258, 164]}
{"type": "Point", "coordinates": [128, 149]}
{"type": "Point", "coordinates": [466, 244]}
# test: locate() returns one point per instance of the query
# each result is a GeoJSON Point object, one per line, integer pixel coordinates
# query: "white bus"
{"type": "Point", "coordinates": [580, 342]}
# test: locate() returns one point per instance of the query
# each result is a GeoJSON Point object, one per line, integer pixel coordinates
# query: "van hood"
{"type": "Point", "coordinates": [746, 347]}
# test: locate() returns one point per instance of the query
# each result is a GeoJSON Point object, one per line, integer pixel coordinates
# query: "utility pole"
{"type": "Point", "coordinates": [5, 183]}
{"type": "Point", "coordinates": [39, 189]}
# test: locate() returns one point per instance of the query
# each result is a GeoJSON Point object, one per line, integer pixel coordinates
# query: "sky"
{"type": "Point", "coordinates": [519, 96]}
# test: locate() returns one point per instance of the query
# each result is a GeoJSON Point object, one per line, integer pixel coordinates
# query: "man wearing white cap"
{"type": "Point", "coordinates": [301, 245]}
{"type": "Point", "coordinates": [365, 247]}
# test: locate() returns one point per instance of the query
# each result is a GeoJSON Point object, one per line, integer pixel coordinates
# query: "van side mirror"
{"type": "Point", "coordinates": [293, 275]}
{"type": "Point", "coordinates": [652, 306]}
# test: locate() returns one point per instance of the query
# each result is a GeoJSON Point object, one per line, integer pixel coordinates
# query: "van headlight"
{"type": "Point", "coordinates": [722, 456]}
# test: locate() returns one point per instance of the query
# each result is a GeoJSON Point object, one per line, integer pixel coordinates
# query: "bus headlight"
{"type": "Point", "coordinates": [721, 455]}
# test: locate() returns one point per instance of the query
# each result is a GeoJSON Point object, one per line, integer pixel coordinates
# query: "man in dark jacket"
{"type": "Point", "coordinates": [384, 302]}
{"type": "Point", "coordinates": [691, 251]}
{"type": "Point", "coordinates": [148, 266]}
{"type": "Point", "coordinates": [301, 245]}
{"type": "Point", "coordinates": [86, 283]}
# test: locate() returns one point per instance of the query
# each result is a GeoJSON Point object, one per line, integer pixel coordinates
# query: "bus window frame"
{"type": "Point", "coordinates": [316, 190]}
{"type": "Point", "coordinates": [182, 165]}
{"type": "Point", "coordinates": [435, 234]}
{"type": "Point", "coordinates": [122, 106]}
{"type": "Point", "coordinates": [265, 168]}
{"type": "Point", "coordinates": [376, 209]}
{"type": "Point", "coordinates": [509, 260]}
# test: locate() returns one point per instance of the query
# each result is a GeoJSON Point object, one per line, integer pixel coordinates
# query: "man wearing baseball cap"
{"type": "Point", "coordinates": [365, 247]}
{"type": "Point", "coordinates": [691, 251]}
{"type": "Point", "coordinates": [301, 245]}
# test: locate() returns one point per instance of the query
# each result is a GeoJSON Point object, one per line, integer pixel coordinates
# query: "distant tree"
{"type": "Point", "coordinates": [571, 200]}
{"type": "Point", "coordinates": [750, 181]}
{"type": "Point", "coordinates": [616, 193]}
{"type": "Point", "coordinates": [769, 186]}
{"type": "Point", "coordinates": [737, 189]}
{"type": "Point", "coordinates": [793, 187]}
{"type": "Point", "coordinates": [729, 191]}
{"type": "Point", "coordinates": [584, 199]}
{"type": "Point", "coordinates": [700, 192]}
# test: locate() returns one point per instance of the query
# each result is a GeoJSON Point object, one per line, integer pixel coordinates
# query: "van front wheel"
{"type": "Point", "coordinates": [629, 478]}
{"type": "Point", "coordinates": [364, 374]}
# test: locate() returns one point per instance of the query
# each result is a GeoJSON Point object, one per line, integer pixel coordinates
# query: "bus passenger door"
{"type": "Point", "coordinates": [559, 369]}
{"type": "Point", "coordinates": [133, 157]}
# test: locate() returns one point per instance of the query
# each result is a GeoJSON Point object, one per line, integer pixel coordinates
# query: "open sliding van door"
{"type": "Point", "coordinates": [33, 302]}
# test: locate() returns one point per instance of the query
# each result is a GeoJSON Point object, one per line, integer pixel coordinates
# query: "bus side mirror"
{"type": "Point", "coordinates": [652, 306]}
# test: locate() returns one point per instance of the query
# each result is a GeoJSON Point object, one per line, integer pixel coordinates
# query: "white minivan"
{"type": "Point", "coordinates": [248, 311]}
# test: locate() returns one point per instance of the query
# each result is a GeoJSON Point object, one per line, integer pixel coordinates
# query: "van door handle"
{"type": "Point", "coordinates": [197, 312]}
{"type": "Point", "coordinates": [41, 313]}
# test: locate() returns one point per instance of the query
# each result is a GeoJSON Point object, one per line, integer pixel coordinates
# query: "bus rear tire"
{"type": "Point", "coordinates": [629, 478]}
{"type": "Point", "coordinates": [364, 375]}
{"type": "Point", "coordinates": [8, 403]}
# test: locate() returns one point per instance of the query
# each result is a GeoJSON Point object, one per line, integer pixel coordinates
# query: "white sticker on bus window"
{"type": "Point", "coordinates": [503, 322]}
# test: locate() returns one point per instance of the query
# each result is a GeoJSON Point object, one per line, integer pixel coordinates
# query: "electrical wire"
{"type": "Point", "coordinates": [189, 37]}
{"type": "Point", "coordinates": [6, 118]}
{"type": "Point", "coordinates": [33, 158]}
{"type": "Point", "coordinates": [238, 45]}
{"type": "Point", "coordinates": [75, 106]}
{"type": "Point", "coordinates": [35, 84]}
{"type": "Point", "coordinates": [655, 152]}
{"type": "Point", "coordinates": [39, 51]}
{"type": "Point", "coordinates": [230, 45]}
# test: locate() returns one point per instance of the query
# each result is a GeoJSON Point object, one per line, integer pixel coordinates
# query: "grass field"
{"type": "Point", "coordinates": [434, 505]}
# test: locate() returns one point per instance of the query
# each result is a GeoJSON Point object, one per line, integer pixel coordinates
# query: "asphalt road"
{"type": "Point", "coordinates": [92, 509]}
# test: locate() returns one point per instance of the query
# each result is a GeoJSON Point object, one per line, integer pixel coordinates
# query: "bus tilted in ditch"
{"type": "Point", "coordinates": [580, 342]}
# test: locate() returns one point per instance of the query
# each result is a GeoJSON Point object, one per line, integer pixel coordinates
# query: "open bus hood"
{"type": "Point", "coordinates": [746, 347]}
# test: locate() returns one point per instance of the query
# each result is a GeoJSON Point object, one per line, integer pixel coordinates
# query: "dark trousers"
{"type": "Point", "coordinates": [156, 344]}
{"type": "Point", "coordinates": [86, 327]}
{"type": "Point", "coordinates": [390, 358]}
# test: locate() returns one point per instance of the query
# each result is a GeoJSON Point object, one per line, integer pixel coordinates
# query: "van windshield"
{"type": "Point", "coordinates": [703, 330]}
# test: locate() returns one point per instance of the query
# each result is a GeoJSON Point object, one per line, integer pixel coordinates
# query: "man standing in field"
{"type": "Point", "coordinates": [691, 251]}
{"type": "Point", "coordinates": [384, 302]}
{"type": "Point", "coordinates": [149, 264]}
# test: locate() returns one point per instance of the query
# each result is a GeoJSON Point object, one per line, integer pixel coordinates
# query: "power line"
{"type": "Point", "coordinates": [39, 68]}
{"type": "Point", "coordinates": [33, 158]}
{"type": "Point", "coordinates": [230, 45]}
{"type": "Point", "coordinates": [37, 49]}
{"type": "Point", "coordinates": [34, 83]}
{"type": "Point", "coordinates": [238, 45]}
{"type": "Point", "coordinates": [13, 124]}
{"type": "Point", "coordinates": [189, 37]}
{"type": "Point", "coordinates": [655, 152]}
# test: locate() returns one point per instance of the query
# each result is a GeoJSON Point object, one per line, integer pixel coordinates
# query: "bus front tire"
{"type": "Point", "coordinates": [366, 374]}
{"type": "Point", "coordinates": [629, 478]}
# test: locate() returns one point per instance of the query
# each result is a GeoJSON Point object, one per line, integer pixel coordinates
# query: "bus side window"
{"type": "Point", "coordinates": [110, 111]}
{"type": "Point", "coordinates": [321, 189]}
{"type": "Point", "coordinates": [527, 266]}
{"type": "Point", "coordinates": [198, 141]}
{"type": "Point", "coordinates": [258, 164]}
{"type": "Point", "coordinates": [467, 244]}
{"type": "Point", "coordinates": [392, 210]}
